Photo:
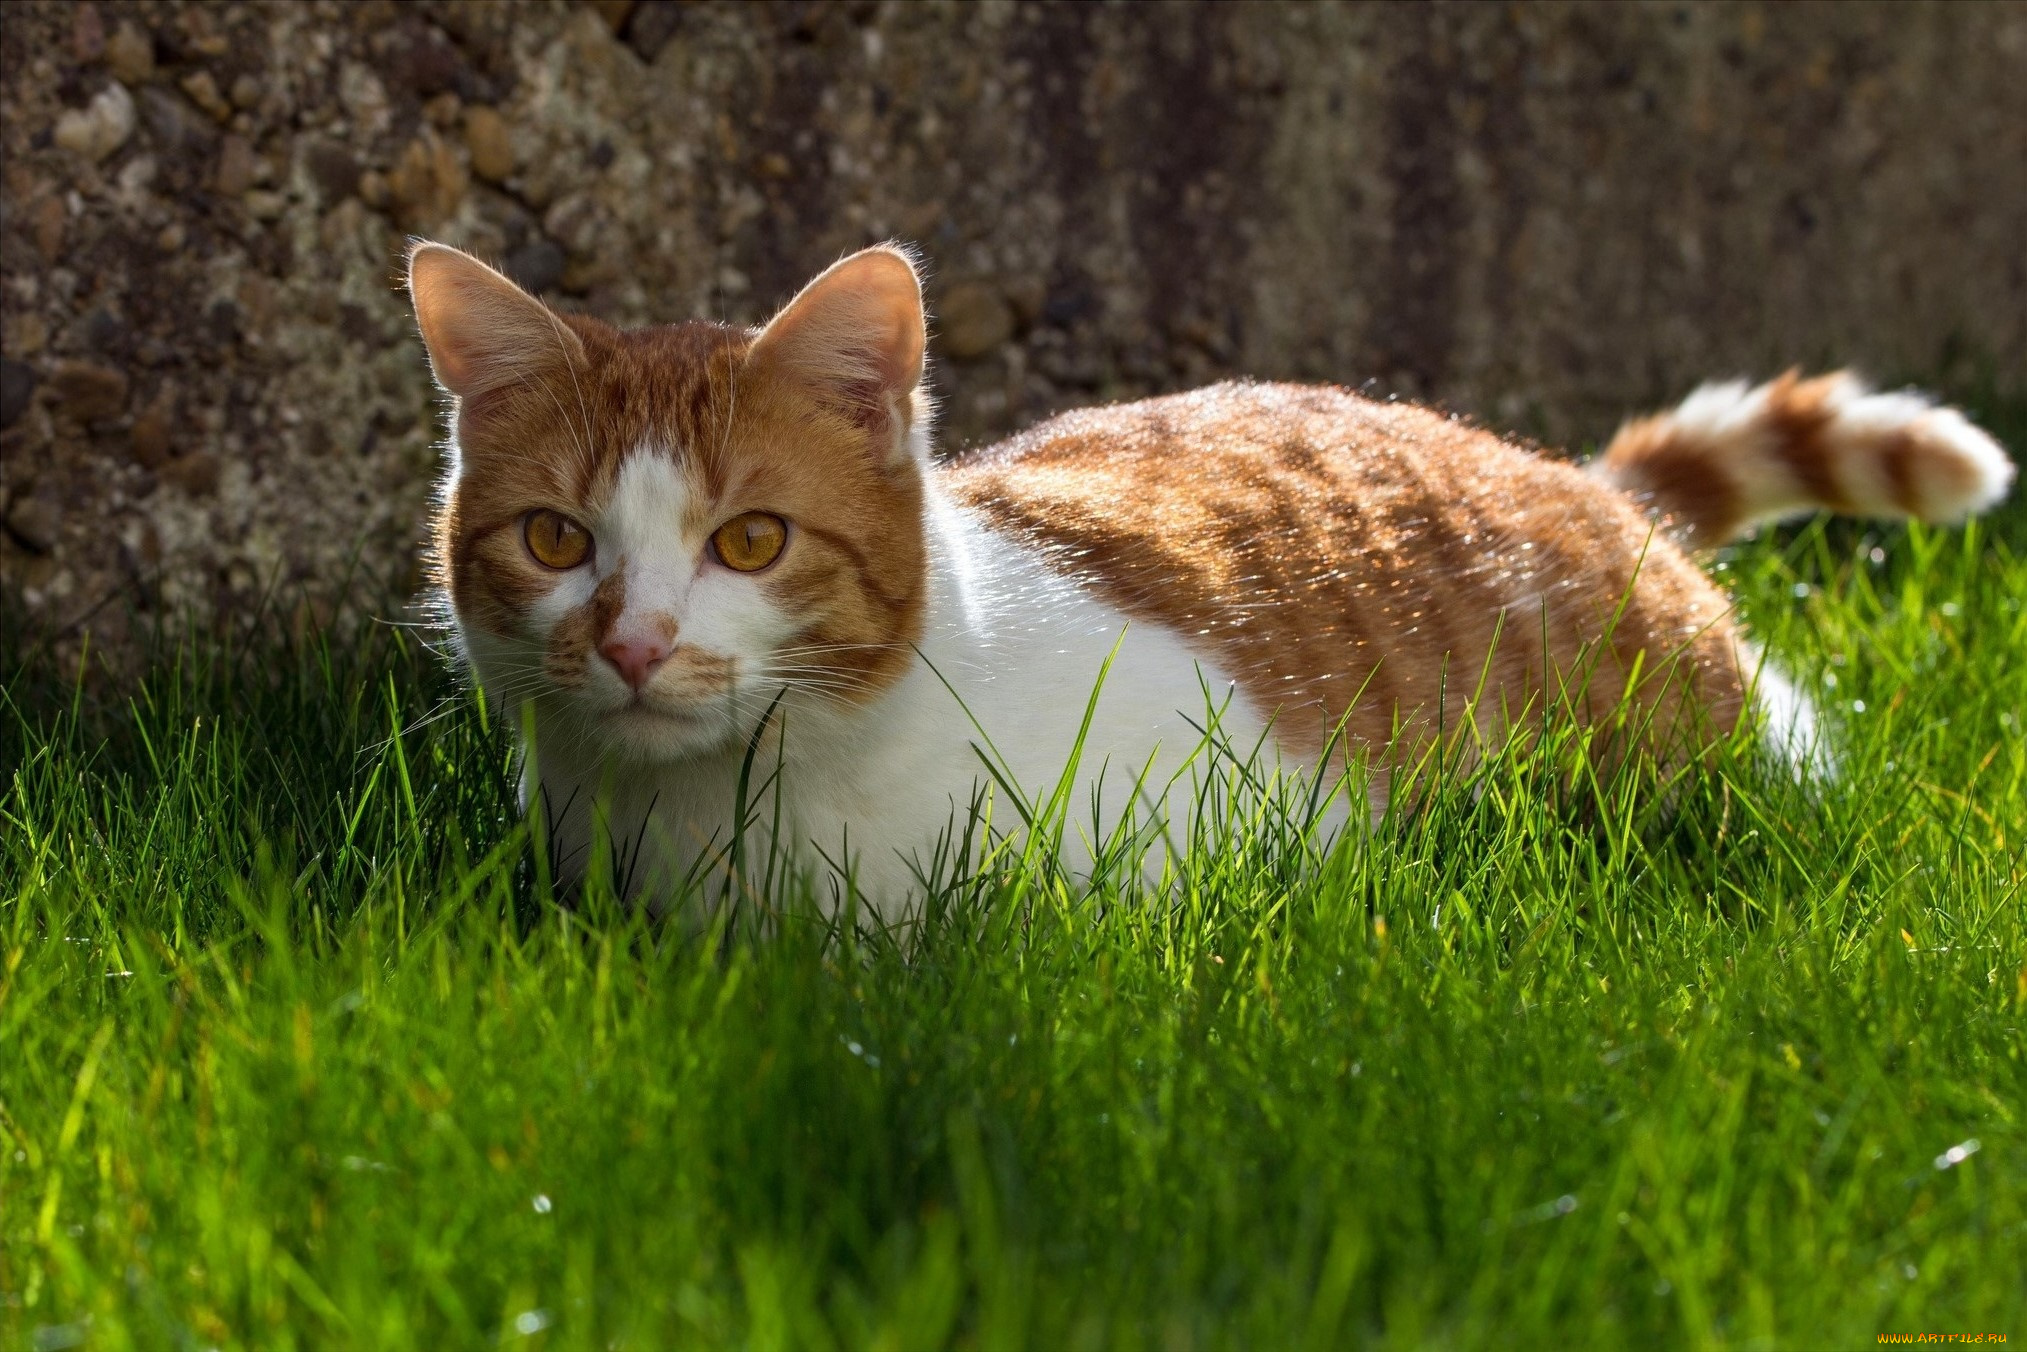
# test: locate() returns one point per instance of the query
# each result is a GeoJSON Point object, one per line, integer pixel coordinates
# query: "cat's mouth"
{"type": "Point", "coordinates": [640, 711]}
{"type": "Point", "coordinates": [658, 728]}
{"type": "Point", "coordinates": [655, 734]}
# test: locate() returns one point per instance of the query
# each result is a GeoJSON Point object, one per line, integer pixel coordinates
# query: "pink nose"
{"type": "Point", "coordinates": [635, 659]}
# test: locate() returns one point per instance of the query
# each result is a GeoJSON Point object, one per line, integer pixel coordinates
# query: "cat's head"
{"type": "Point", "coordinates": [651, 533]}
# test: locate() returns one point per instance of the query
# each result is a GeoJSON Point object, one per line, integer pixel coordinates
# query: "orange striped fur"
{"type": "Point", "coordinates": [1730, 457]}
{"type": "Point", "coordinates": [1345, 557]}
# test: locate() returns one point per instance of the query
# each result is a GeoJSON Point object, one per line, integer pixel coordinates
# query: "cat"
{"type": "Point", "coordinates": [680, 552]}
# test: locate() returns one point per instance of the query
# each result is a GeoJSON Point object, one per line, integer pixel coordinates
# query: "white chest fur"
{"type": "Point", "coordinates": [1008, 664]}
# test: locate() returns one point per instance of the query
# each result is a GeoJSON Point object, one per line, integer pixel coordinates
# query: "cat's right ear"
{"type": "Point", "coordinates": [482, 331]}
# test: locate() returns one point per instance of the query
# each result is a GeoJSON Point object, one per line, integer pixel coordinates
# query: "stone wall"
{"type": "Point", "coordinates": [1541, 215]}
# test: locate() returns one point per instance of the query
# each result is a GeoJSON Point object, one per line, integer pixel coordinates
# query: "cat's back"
{"type": "Point", "coordinates": [1239, 451]}
{"type": "Point", "coordinates": [1317, 542]}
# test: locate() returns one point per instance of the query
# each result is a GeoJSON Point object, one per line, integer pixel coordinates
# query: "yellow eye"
{"type": "Point", "coordinates": [750, 541]}
{"type": "Point", "coordinates": [555, 540]}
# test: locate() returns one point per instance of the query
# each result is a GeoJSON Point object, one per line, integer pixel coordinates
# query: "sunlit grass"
{"type": "Point", "coordinates": [297, 1049]}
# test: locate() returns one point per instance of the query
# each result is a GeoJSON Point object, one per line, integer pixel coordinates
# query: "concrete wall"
{"type": "Point", "coordinates": [1541, 215]}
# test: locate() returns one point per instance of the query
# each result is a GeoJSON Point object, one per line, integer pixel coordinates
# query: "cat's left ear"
{"type": "Point", "coordinates": [854, 337]}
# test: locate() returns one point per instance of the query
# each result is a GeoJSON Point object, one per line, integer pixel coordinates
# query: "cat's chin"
{"type": "Point", "coordinates": [640, 732]}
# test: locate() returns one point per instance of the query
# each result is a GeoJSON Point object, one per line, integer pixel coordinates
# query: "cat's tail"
{"type": "Point", "coordinates": [1729, 457]}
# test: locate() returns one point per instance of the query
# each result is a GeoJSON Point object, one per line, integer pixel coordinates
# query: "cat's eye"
{"type": "Point", "coordinates": [750, 541]}
{"type": "Point", "coordinates": [555, 540]}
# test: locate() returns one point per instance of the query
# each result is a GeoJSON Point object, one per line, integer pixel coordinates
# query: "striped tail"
{"type": "Point", "coordinates": [1729, 457]}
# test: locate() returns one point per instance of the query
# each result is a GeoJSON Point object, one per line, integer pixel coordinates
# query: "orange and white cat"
{"type": "Point", "coordinates": [667, 546]}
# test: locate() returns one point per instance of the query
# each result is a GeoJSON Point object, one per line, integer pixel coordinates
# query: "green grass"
{"type": "Point", "coordinates": [297, 1050]}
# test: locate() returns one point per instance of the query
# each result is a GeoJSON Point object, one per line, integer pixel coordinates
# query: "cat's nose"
{"type": "Point", "coordinates": [635, 659]}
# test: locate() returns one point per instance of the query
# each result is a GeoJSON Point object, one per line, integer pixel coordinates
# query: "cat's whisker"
{"type": "Point", "coordinates": [579, 443]}
{"type": "Point", "coordinates": [822, 685]}
{"type": "Point", "coordinates": [444, 709]}
{"type": "Point", "coordinates": [843, 661]}
{"type": "Point", "coordinates": [810, 659]}
{"type": "Point", "coordinates": [840, 696]}
{"type": "Point", "coordinates": [563, 348]}
{"type": "Point", "coordinates": [841, 649]}
{"type": "Point", "coordinates": [731, 409]}
{"type": "Point", "coordinates": [762, 698]}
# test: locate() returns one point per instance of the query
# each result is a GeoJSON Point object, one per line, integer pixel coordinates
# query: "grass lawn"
{"type": "Point", "coordinates": [297, 1050]}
